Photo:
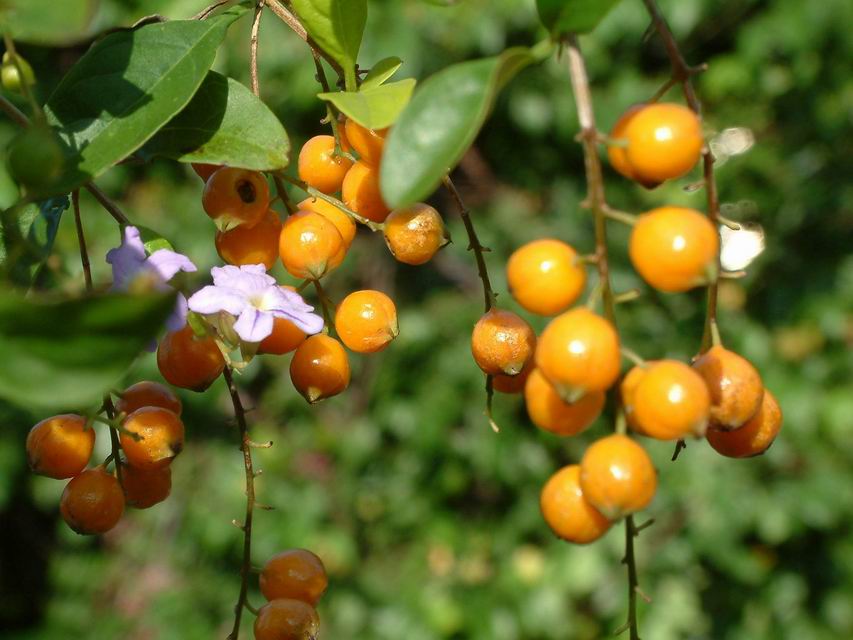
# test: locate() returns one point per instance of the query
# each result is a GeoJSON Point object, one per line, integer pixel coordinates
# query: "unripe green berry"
{"type": "Point", "coordinates": [10, 73]}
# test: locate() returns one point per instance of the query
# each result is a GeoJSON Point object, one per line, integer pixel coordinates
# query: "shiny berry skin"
{"type": "Point", "coordinates": [297, 574]}
{"type": "Point", "coordinates": [502, 343]}
{"type": "Point", "coordinates": [343, 222]}
{"type": "Point", "coordinates": [414, 234]}
{"type": "Point", "coordinates": [204, 171]}
{"type": "Point", "coordinates": [286, 619]}
{"type": "Point", "coordinates": [735, 386]}
{"type": "Point", "coordinates": [674, 249]}
{"type": "Point", "coordinates": [148, 394]}
{"type": "Point", "coordinates": [627, 389]}
{"type": "Point", "coordinates": [360, 192]}
{"type": "Point", "coordinates": [285, 336]}
{"type": "Point", "coordinates": [234, 197]}
{"type": "Point", "coordinates": [60, 447]}
{"type": "Point", "coordinates": [320, 368]}
{"type": "Point", "coordinates": [145, 488]}
{"type": "Point", "coordinates": [545, 276]}
{"type": "Point", "coordinates": [366, 142]}
{"type": "Point", "coordinates": [92, 502]}
{"type": "Point", "coordinates": [320, 167]}
{"type": "Point", "coordinates": [548, 411]}
{"type": "Point", "coordinates": [566, 510]}
{"type": "Point", "coordinates": [671, 402]}
{"type": "Point", "coordinates": [151, 437]}
{"type": "Point", "coordinates": [257, 244]}
{"type": "Point", "coordinates": [617, 476]}
{"type": "Point", "coordinates": [754, 437]}
{"type": "Point", "coordinates": [578, 353]}
{"type": "Point", "coordinates": [366, 321]}
{"type": "Point", "coordinates": [310, 246]}
{"type": "Point", "coordinates": [189, 362]}
{"type": "Point", "coordinates": [513, 384]}
{"type": "Point", "coordinates": [617, 154]}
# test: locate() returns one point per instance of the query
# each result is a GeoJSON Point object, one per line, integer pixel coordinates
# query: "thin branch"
{"type": "Point", "coordinates": [81, 240]}
{"type": "Point", "coordinates": [104, 200]}
{"type": "Point", "coordinates": [253, 65]}
{"type": "Point", "coordinates": [293, 22]}
{"type": "Point", "coordinates": [15, 114]}
{"type": "Point", "coordinates": [373, 226]}
{"type": "Point", "coordinates": [205, 13]}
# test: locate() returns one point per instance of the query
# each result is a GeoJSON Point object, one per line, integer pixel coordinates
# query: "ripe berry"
{"type": "Point", "coordinates": [566, 510]}
{"type": "Point", "coordinates": [189, 362]}
{"type": "Point", "coordinates": [60, 447]}
{"type": "Point", "coordinates": [360, 192]}
{"type": "Point", "coordinates": [754, 437]}
{"type": "Point", "coordinates": [671, 401]}
{"type": "Point", "coordinates": [148, 394]}
{"type": "Point", "coordinates": [310, 246]}
{"type": "Point", "coordinates": [548, 411]}
{"type": "Point", "coordinates": [673, 248]}
{"type": "Point", "coordinates": [502, 343]}
{"type": "Point", "coordinates": [343, 222]}
{"type": "Point", "coordinates": [735, 386]}
{"type": "Point", "coordinates": [579, 353]}
{"type": "Point", "coordinates": [295, 573]}
{"type": "Point", "coordinates": [285, 619]}
{"type": "Point", "coordinates": [151, 437]}
{"type": "Point", "coordinates": [92, 502]}
{"type": "Point", "coordinates": [236, 196]}
{"type": "Point", "coordinates": [366, 321]}
{"type": "Point", "coordinates": [414, 234]}
{"type": "Point", "coordinates": [145, 488]}
{"type": "Point", "coordinates": [285, 336]}
{"type": "Point", "coordinates": [320, 167]}
{"type": "Point", "coordinates": [257, 244]}
{"type": "Point", "coordinates": [628, 389]}
{"type": "Point", "coordinates": [545, 277]}
{"type": "Point", "coordinates": [320, 368]}
{"type": "Point", "coordinates": [617, 476]}
{"type": "Point", "coordinates": [513, 384]}
{"type": "Point", "coordinates": [618, 153]}
{"type": "Point", "coordinates": [367, 142]}
{"type": "Point", "coordinates": [204, 171]}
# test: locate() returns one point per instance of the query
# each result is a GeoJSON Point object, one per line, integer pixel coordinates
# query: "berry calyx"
{"type": "Point", "coordinates": [548, 411]}
{"type": "Point", "coordinates": [234, 197]}
{"type": "Point", "coordinates": [145, 488]}
{"type": "Point", "coordinates": [502, 343]}
{"type": "Point", "coordinates": [568, 513]}
{"type": "Point", "coordinates": [297, 574]}
{"type": "Point", "coordinates": [754, 437]}
{"type": "Point", "coordinates": [92, 502]}
{"type": "Point", "coordinates": [61, 446]}
{"type": "Point", "coordinates": [188, 361]}
{"type": "Point", "coordinates": [320, 368]}
{"type": "Point", "coordinates": [361, 193]}
{"type": "Point", "coordinates": [310, 245]}
{"type": "Point", "coordinates": [671, 402]}
{"type": "Point", "coordinates": [151, 437]}
{"type": "Point", "coordinates": [148, 394]}
{"type": "Point", "coordinates": [257, 244]}
{"type": "Point", "coordinates": [366, 321]}
{"type": "Point", "coordinates": [286, 619]}
{"type": "Point", "coordinates": [735, 386]}
{"type": "Point", "coordinates": [513, 384]}
{"type": "Point", "coordinates": [414, 234]}
{"type": "Point", "coordinates": [545, 276]}
{"type": "Point", "coordinates": [320, 167]}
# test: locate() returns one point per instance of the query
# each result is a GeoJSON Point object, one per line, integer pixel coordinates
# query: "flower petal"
{"type": "Point", "coordinates": [212, 299]}
{"type": "Point", "coordinates": [250, 278]}
{"type": "Point", "coordinates": [283, 303]}
{"type": "Point", "coordinates": [178, 317]}
{"type": "Point", "coordinates": [167, 263]}
{"type": "Point", "coordinates": [127, 259]}
{"type": "Point", "coordinates": [253, 325]}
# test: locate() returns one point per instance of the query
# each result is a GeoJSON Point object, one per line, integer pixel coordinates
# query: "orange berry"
{"type": "Point", "coordinates": [189, 362]}
{"type": "Point", "coordinates": [204, 171]}
{"type": "Point", "coordinates": [414, 234]}
{"type": "Point", "coordinates": [367, 142]}
{"type": "Point", "coordinates": [295, 573]}
{"type": "Point", "coordinates": [366, 321]}
{"type": "Point", "coordinates": [320, 368]}
{"type": "Point", "coordinates": [671, 402]}
{"type": "Point", "coordinates": [754, 437]}
{"type": "Point", "coordinates": [285, 619]}
{"type": "Point", "coordinates": [628, 388]}
{"type": "Point", "coordinates": [148, 394]}
{"type": "Point", "coordinates": [579, 353]}
{"type": "Point", "coordinates": [145, 488]}
{"type": "Point", "coordinates": [92, 502]}
{"type": "Point", "coordinates": [735, 386]}
{"type": "Point", "coordinates": [502, 343]}
{"type": "Point", "coordinates": [310, 246]}
{"type": "Point", "coordinates": [343, 222]}
{"type": "Point", "coordinates": [617, 476]}
{"type": "Point", "coordinates": [257, 244]}
{"type": "Point", "coordinates": [285, 336]}
{"type": "Point", "coordinates": [152, 437]}
{"type": "Point", "coordinates": [548, 411]}
{"type": "Point", "coordinates": [545, 276]}
{"type": "Point", "coordinates": [60, 446]}
{"type": "Point", "coordinates": [236, 196]}
{"type": "Point", "coordinates": [320, 167]}
{"type": "Point", "coordinates": [361, 193]}
{"type": "Point", "coordinates": [513, 384]}
{"type": "Point", "coordinates": [674, 248]}
{"type": "Point", "coordinates": [618, 153]}
{"type": "Point", "coordinates": [566, 510]}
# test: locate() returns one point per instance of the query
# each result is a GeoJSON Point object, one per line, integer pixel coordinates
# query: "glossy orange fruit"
{"type": "Point", "coordinates": [320, 167]}
{"type": "Point", "coordinates": [367, 142]}
{"type": "Point", "coordinates": [189, 362]}
{"type": "Point", "coordinates": [360, 192]}
{"type": "Point", "coordinates": [618, 153]}
{"type": "Point", "coordinates": [513, 384]}
{"type": "Point", "coordinates": [257, 244]}
{"type": "Point", "coordinates": [236, 196]}
{"type": "Point", "coordinates": [320, 368]}
{"type": "Point", "coordinates": [545, 276]}
{"type": "Point", "coordinates": [343, 222]}
{"type": "Point", "coordinates": [145, 488]}
{"type": "Point", "coordinates": [92, 502]}
{"type": "Point", "coordinates": [366, 321]}
{"type": "Point", "coordinates": [548, 411]}
{"type": "Point", "coordinates": [629, 385]}
{"type": "Point", "coordinates": [671, 402]}
{"type": "Point", "coordinates": [148, 394]}
{"type": "Point", "coordinates": [566, 510]}
{"type": "Point", "coordinates": [617, 476]}
{"type": "Point", "coordinates": [579, 353]}
{"type": "Point", "coordinates": [754, 437]}
{"type": "Point", "coordinates": [502, 342]}
{"type": "Point", "coordinates": [286, 619]}
{"type": "Point", "coordinates": [414, 234]}
{"type": "Point", "coordinates": [285, 336]}
{"type": "Point", "coordinates": [151, 437]}
{"type": "Point", "coordinates": [295, 573]}
{"type": "Point", "coordinates": [60, 446]}
{"type": "Point", "coordinates": [735, 386]}
{"type": "Point", "coordinates": [204, 171]}
{"type": "Point", "coordinates": [310, 245]}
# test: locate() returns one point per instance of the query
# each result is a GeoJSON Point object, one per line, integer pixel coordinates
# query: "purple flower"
{"type": "Point", "coordinates": [255, 299]}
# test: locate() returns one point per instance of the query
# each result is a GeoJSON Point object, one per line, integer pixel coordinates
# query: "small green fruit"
{"type": "Point", "coordinates": [35, 159]}
{"type": "Point", "coordinates": [10, 75]}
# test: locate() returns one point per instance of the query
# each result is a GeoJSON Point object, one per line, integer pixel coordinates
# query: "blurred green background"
{"type": "Point", "coordinates": [427, 521]}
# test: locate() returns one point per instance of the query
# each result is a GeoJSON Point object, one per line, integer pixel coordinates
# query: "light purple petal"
{"type": "Point", "coordinates": [127, 259]}
{"type": "Point", "coordinates": [250, 278]}
{"type": "Point", "coordinates": [178, 318]}
{"type": "Point", "coordinates": [167, 263]}
{"type": "Point", "coordinates": [283, 303]}
{"type": "Point", "coordinates": [211, 299]}
{"type": "Point", "coordinates": [310, 323]}
{"type": "Point", "coordinates": [253, 325]}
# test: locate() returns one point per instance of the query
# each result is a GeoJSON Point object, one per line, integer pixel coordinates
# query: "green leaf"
{"type": "Point", "coordinates": [375, 107]}
{"type": "Point", "coordinates": [153, 241]}
{"type": "Point", "coordinates": [47, 22]}
{"type": "Point", "coordinates": [381, 72]}
{"type": "Point", "coordinates": [225, 123]}
{"type": "Point", "coordinates": [26, 237]}
{"type": "Point", "coordinates": [63, 355]}
{"type": "Point", "coordinates": [126, 87]}
{"type": "Point", "coordinates": [337, 26]}
{"type": "Point", "coordinates": [561, 17]}
{"type": "Point", "coordinates": [441, 122]}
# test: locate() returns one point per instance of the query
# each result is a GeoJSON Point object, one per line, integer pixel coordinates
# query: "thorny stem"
{"type": "Point", "coordinates": [373, 226]}
{"type": "Point", "coordinates": [293, 22]}
{"type": "Point", "coordinates": [253, 58]}
{"type": "Point", "coordinates": [633, 583]}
